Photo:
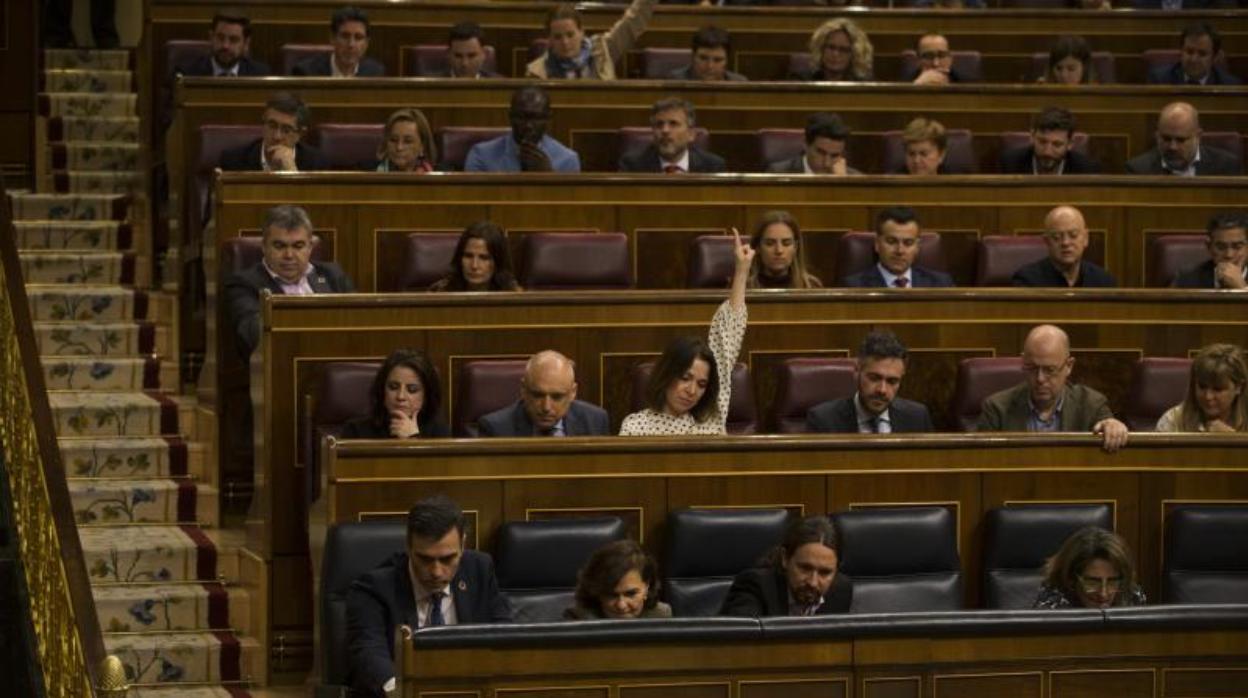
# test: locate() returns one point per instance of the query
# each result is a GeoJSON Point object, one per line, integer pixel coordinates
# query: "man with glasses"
{"type": "Point", "coordinates": [935, 62]}
{"type": "Point", "coordinates": [527, 148]}
{"type": "Point", "coordinates": [1179, 151]}
{"type": "Point", "coordinates": [1045, 402]}
{"type": "Point", "coordinates": [285, 122]}
{"type": "Point", "coordinates": [548, 404]}
{"type": "Point", "coordinates": [1227, 266]}
{"type": "Point", "coordinates": [1066, 237]}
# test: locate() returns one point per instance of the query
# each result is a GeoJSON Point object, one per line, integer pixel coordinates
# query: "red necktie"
{"type": "Point", "coordinates": [901, 282]}
{"type": "Point", "coordinates": [672, 169]}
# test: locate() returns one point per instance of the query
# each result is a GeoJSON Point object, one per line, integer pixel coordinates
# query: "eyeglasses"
{"type": "Point", "coordinates": [1091, 585]}
{"type": "Point", "coordinates": [934, 55]}
{"type": "Point", "coordinates": [284, 129]}
{"type": "Point", "coordinates": [1046, 371]}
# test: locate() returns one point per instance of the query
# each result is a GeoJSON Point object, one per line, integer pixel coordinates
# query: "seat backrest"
{"type": "Point", "coordinates": [454, 142]}
{"type": "Point", "coordinates": [1170, 255]}
{"type": "Point", "coordinates": [348, 146]}
{"type": "Point", "coordinates": [1019, 539]}
{"type": "Point", "coordinates": [485, 386]}
{"type": "Point", "coordinates": [215, 139]}
{"type": "Point", "coordinates": [658, 63]}
{"type": "Point", "coordinates": [427, 258]}
{"type": "Point", "coordinates": [1206, 554]}
{"type": "Point", "coordinates": [245, 251]}
{"type": "Point", "coordinates": [345, 394]}
{"type": "Point", "coordinates": [1103, 66]}
{"type": "Point", "coordinates": [1155, 58]}
{"type": "Point", "coordinates": [968, 64]}
{"type": "Point", "coordinates": [1011, 140]}
{"type": "Point", "coordinates": [742, 414]}
{"type": "Point", "coordinates": [902, 559]}
{"type": "Point", "coordinates": [293, 53]}
{"type": "Point", "coordinates": [706, 548]}
{"type": "Point", "coordinates": [777, 144]}
{"type": "Point", "coordinates": [537, 562]}
{"type": "Point", "coordinates": [351, 549]}
{"type": "Point", "coordinates": [959, 152]}
{"type": "Point", "coordinates": [803, 382]}
{"type": "Point", "coordinates": [1230, 141]}
{"type": "Point", "coordinates": [569, 261]}
{"type": "Point", "coordinates": [979, 377]}
{"type": "Point", "coordinates": [1157, 384]}
{"type": "Point", "coordinates": [999, 256]}
{"type": "Point", "coordinates": [801, 63]}
{"type": "Point", "coordinates": [181, 52]}
{"type": "Point", "coordinates": [711, 262]}
{"type": "Point", "coordinates": [429, 60]}
{"type": "Point", "coordinates": [855, 251]}
{"type": "Point", "coordinates": [634, 139]}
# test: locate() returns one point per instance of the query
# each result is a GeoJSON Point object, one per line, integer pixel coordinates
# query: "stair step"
{"type": "Point", "coordinates": [148, 554]}
{"type": "Point", "coordinates": [93, 80]}
{"type": "Point", "coordinates": [109, 374]}
{"type": "Point", "coordinates": [88, 104]}
{"type": "Point", "coordinates": [131, 457]}
{"type": "Point", "coordinates": [113, 129]}
{"type": "Point", "coordinates": [79, 207]}
{"type": "Point", "coordinates": [184, 691]}
{"type": "Point", "coordinates": [96, 304]}
{"type": "Point", "coordinates": [101, 339]}
{"type": "Point", "coordinates": [165, 607]}
{"type": "Point", "coordinates": [91, 182]}
{"type": "Point", "coordinates": [113, 414]}
{"type": "Point", "coordinates": [81, 156]}
{"type": "Point", "coordinates": [73, 235]}
{"type": "Point", "coordinates": [112, 502]}
{"type": "Point", "coordinates": [86, 59]}
{"type": "Point", "coordinates": [87, 268]}
{"type": "Point", "coordinates": [175, 657]}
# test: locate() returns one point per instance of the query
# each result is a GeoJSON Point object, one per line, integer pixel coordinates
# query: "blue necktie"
{"type": "Point", "coordinates": [435, 609]}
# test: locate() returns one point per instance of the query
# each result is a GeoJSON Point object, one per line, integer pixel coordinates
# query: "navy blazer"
{"type": "Point", "coordinates": [920, 277]}
{"type": "Point", "coordinates": [247, 158]}
{"type": "Point", "coordinates": [1199, 276]}
{"type": "Point", "coordinates": [582, 419]}
{"type": "Point", "coordinates": [1173, 75]}
{"type": "Point", "coordinates": [1213, 162]}
{"type": "Point", "coordinates": [1018, 161]}
{"type": "Point", "coordinates": [242, 297]}
{"type": "Point", "coordinates": [382, 599]}
{"type": "Point", "coordinates": [840, 417]}
{"type": "Point", "coordinates": [1042, 274]}
{"type": "Point", "coordinates": [202, 67]}
{"type": "Point", "coordinates": [762, 592]}
{"type": "Point", "coordinates": [318, 66]}
{"type": "Point", "coordinates": [648, 160]}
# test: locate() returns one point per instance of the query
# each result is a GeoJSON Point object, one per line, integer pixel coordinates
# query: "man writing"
{"type": "Point", "coordinates": [875, 407]}
{"type": "Point", "coordinates": [548, 404]}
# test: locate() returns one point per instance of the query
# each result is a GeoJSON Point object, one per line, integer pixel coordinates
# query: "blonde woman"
{"type": "Point", "coordinates": [840, 51]}
{"type": "Point", "coordinates": [408, 145]}
{"type": "Point", "coordinates": [1215, 396]}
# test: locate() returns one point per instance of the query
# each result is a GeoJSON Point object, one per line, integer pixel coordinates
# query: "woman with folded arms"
{"type": "Point", "coordinates": [408, 144]}
{"type": "Point", "coordinates": [779, 259]}
{"type": "Point", "coordinates": [691, 385]}
{"type": "Point", "coordinates": [481, 262]}
{"type": "Point", "coordinates": [1215, 395]}
{"type": "Point", "coordinates": [405, 397]}
{"type": "Point", "coordinates": [620, 581]}
{"type": "Point", "coordinates": [1092, 569]}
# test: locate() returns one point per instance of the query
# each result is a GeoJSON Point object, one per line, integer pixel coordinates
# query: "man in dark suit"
{"type": "Point", "coordinates": [1179, 151]}
{"type": "Point", "coordinates": [1201, 49]}
{"type": "Point", "coordinates": [935, 62]}
{"type": "Point", "coordinates": [896, 248]}
{"type": "Point", "coordinates": [230, 38]}
{"type": "Point", "coordinates": [711, 52]}
{"type": "Point", "coordinates": [1227, 266]}
{"type": "Point", "coordinates": [548, 404]}
{"type": "Point", "coordinates": [436, 582]}
{"type": "Point", "coordinates": [465, 53]}
{"type": "Point", "coordinates": [827, 139]}
{"type": "Point", "coordinates": [287, 268]}
{"type": "Point", "coordinates": [348, 34]}
{"type": "Point", "coordinates": [1044, 402]}
{"type": "Point", "coordinates": [1066, 237]}
{"type": "Point", "coordinates": [801, 578]}
{"type": "Point", "coordinates": [280, 148]}
{"type": "Point", "coordinates": [1051, 151]}
{"type": "Point", "coordinates": [672, 152]}
{"type": "Point", "coordinates": [875, 407]}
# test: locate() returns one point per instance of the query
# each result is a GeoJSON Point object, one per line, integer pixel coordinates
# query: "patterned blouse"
{"type": "Point", "coordinates": [1051, 597]}
{"type": "Point", "coordinates": [727, 332]}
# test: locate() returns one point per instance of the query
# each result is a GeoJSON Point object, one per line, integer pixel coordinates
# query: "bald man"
{"type": "Point", "coordinates": [1066, 237]}
{"type": "Point", "coordinates": [1045, 401]}
{"type": "Point", "coordinates": [548, 404]}
{"type": "Point", "coordinates": [1179, 152]}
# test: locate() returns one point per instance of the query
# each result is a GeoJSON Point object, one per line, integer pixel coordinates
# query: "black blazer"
{"type": "Point", "coordinates": [797, 165]}
{"type": "Point", "coordinates": [1199, 276]}
{"type": "Point", "coordinates": [242, 297]}
{"type": "Point", "coordinates": [840, 417]}
{"type": "Point", "coordinates": [1213, 161]}
{"type": "Point", "coordinates": [482, 74]}
{"type": "Point", "coordinates": [368, 428]}
{"type": "Point", "coordinates": [1042, 274]}
{"type": "Point", "coordinates": [318, 66]}
{"type": "Point", "coordinates": [247, 158]}
{"type": "Point", "coordinates": [920, 277]}
{"type": "Point", "coordinates": [1018, 161]}
{"type": "Point", "coordinates": [762, 592]}
{"type": "Point", "coordinates": [582, 419]}
{"type": "Point", "coordinates": [1173, 75]}
{"type": "Point", "coordinates": [382, 599]}
{"type": "Point", "coordinates": [202, 67]}
{"type": "Point", "coordinates": [648, 160]}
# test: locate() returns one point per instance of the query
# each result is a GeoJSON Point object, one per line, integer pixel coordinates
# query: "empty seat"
{"type": "Point", "coordinates": [659, 63]}
{"type": "Point", "coordinates": [999, 256]}
{"type": "Point", "coordinates": [1157, 384]}
{"type": "Point", "coordinates": [968, 65]}
{"type": "Point", "coordinates": [1230, 141]}
{"type": "Point", "coordinates": [183, 52]}
{"type": "Point", "coordinates": [803, 382]}
{"type": "Point", "coordinates": [429, 60]}
{"type": "Point", "coordinates": [959, 152]}
{"type": "Point", "coordinates": [1170, 255]}
{"type": "Point", "coordinates": [855, 251]}
{"type": "Point", "coordinates": [711, 262]}
{"type": "Point", "coordinates": [215, 139]}
{"type": "Point", "coordinates": [979, 377]}
{"type": "Point", "coordinates": [350, 146]}
{"type": "Point", "coordinates": [742, 416]}
{"type": "Point", "coordinates": [1019, 539]}
{"type": "Point", "coordinates": [427, 258]}
{"type": "Point", "coordinates": [777, 144]}
{"type": "Point", "coordinates": [454, 142]}
{"type": "Point", "coordinates": [634, 139]}
{"type": "Point", "coordinates": [1011, 140]}
{"type": "Point", "coordinates": [1206, 554]}
{"type": "Point", "coordinates": [294, 53]}
{"type": "Point", "coordinates": [706, 548]}
{"type": "Point", "coordinates": [571, 261]}
{"type": "Point", "coordinates": [345, 394]}
{"type": "Point", "coordinates": [485, 386]}
{"type": "Point", "coordinates": [1102, 65]}
{"type": "Point", "coordinates": [537, 562]}
{"type": "Point", "coordinates": [902, 559]}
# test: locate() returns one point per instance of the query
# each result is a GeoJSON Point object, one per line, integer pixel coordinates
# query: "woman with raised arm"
{"type": "Point", "coordinates": [571, 54]}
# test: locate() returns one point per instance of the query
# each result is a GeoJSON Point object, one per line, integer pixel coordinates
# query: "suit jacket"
{"type": "Point", "coordinates": [367, 428]}
{"type": "Point", "coordinates": [1009, 409]}
{"type": "Point", "coordinates": [247, 158]}
{"type": "Point", "coordinates": [202, 67]}
{"type": "Point", "coordinates": [382, 599]}
{"type": "Point", "coordinates": [912, 75]}
{"type": "Point", "coordinates": [762, 592]}
{"type": "Point", "coordinates": [318, 66]}
{"type": "Point", "coordinates": [797, 165]}
{"type": "Point", "coordinates": [1018, 161]}
{"type": "Point", "coordinates": [648, 160]}
{"type": "Point", "coordinates": [483, 74]}
{"type": "Point", "coordinates": [502, 154]}
{"type": "Point", "coordinates": [1042, 274]}
{"type": "Point", "coordinates": [1173, 75]}
{"type": "Point", "coordinates": [1213, 161]}
{"type": "Point", "coordinates": [686, 73]}
{"type": "Point", "coordinates": [920, 277]}
{"type": "Point", "coordinates": [1199, 276]}
{"type": "Point", "coordinates": [242, 297]}
{"type": "Point", "coordinates": [582, 419]}
{"type": "Point", "coordinates": [841, 417]}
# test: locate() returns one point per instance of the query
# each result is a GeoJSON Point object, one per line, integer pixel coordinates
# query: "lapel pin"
{"type": "Point", "coordinates": [463, 586]}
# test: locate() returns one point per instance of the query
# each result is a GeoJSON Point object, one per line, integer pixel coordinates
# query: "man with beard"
{"type": "Point", "coordinates": [799, 578]}
{"type": "Point", "coordinates": [230, 36]}
{"type": "Point", "coordinates": [1179, 151]}
{"type": "Point", "coordinates": [673, 151]}
{"type": "Point", "coordinates": [527, 148]}
{"type": "Point", "coordinates": [1051, 151]}
{"type": "Point", "coordinates": [875, 407]}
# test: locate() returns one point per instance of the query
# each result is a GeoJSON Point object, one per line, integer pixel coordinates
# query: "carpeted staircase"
{"type": "Point", "coordinates": [141, 484]}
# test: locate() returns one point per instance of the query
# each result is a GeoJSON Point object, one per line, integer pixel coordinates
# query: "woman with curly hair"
{"type": "Point", "coordinates": [619, 581]}
{"type": "Point", "coordinates": [1093, 569]}
{"type": "Point", "coordinates": [840, 51]}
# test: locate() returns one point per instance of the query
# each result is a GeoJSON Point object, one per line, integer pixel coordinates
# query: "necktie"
{"type": "Point", "coordinates": [901, 282]}
{"type": "Point", "coordinates": [672, 169]}
{"type": "Point", "coordinates": [435, 609]}
{"type": "Point", "coordinates": [546, 432]}
{"type": "Point", "coordinates": [875, 425]}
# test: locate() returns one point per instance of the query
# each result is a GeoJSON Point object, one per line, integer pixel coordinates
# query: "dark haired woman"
{"type": "Point", "coordinates": [1070, 62]}
{"type": "Point", "coordinates": [619, 581]}
{"type": "Point", "coordinates": [691, 385]}
{"type": "Point", "coordinates": [405, 397]}
{"type": "Point", "coordinates": [481, 262]}
{"type": "Point", "coordinates": [1092, 569]}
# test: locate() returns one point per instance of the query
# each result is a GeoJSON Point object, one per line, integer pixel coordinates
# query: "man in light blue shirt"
{"type": "Point", "coordinates": [527, 148]}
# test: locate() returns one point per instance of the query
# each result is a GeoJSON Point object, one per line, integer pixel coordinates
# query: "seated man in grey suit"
{"type": "Point", "coordinates": [1179, 151]}
{"type": "Point", "coordinates": [1045, 401]}
{"type": "Point", "coordinates": [827, 138]}
{"type": "Point", "coordinates": [548, 404]}
{"type": "Point", "coordinates": [673, 151]}
{"type": "Point", "coordinates": [348, 32]}
{"type": "Point", "coordinates": [875, 407]}
{"type": "Point", "coordinates": [896, 248]}
{"type": "Point", "coordinates": [1227, 266]}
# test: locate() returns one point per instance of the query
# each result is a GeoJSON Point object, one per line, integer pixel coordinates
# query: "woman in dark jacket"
{"type": "Point", "coordinates": [405, 397]}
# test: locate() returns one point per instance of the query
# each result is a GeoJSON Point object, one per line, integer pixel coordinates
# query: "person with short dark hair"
{"type": "Point", "coordinates": [527, 148]}
{"type": "Point", "coordinates": [405, 397]}
{"type": "Point", "coordinates": [572, 54]}
{"type": "Point", "coordinates": [827, 141]}
{"type": "Point", "coordinates": [800, 577]}
{"type": "Point", "coordinates": [673, 151]}
{"type": "Point", "coordinates": [1201, 51]}
{"type": "Point", "coordinates": [1070, 62]}
{"type": "Point", "coordinates": [465, 52]}
{"type": "Point", "coordinates": [897, 238]}
{"type": "Point", "coordinates": [935, 65]}
{"type": "Point", "coordinates": [435, 582]}
{"type": "Point", "coordinates": [1092, 569]}
{"type": "Point", "coordinates": [874, 407]}
{"type": "Point", "coordinates": [1227, 266]}
{"type": "Point", "coordinates": [229, 37]}
{"type": "Point", "coordinates": [481, 262]}
{"type": "Point", "coordinates": [620, 581]}
{"type": "Point", "coordinates": [348, 33]}
{"type": "Point", "coordinates": [780, 257]}
{"type": "Point", "coordinates": [1216, 400]}
{"type": "Point", "coordinates": [1066, 237]}
{"type": "Point", "coordinates": [281, 147]}
{"type": "Point", "coordinates": [547, 404]}
{"type": "Point", "coordinates": [711, 53]}
{"type": "Point", "coordinates": [1179, 152]}
{"type": "Point", "coordinates": [1052, 149]}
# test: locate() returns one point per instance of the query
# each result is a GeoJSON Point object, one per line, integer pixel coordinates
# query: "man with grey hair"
{"type": "Point", "coordinates": [287, 268]}
{"type": "Point", "coordinates": [1179, 152]}
{"type": "Point", "coordinates": [548, 404]}
{"type": "Point", "coordinates": [672, 152]}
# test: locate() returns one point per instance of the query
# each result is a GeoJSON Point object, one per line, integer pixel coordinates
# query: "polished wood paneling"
{"type": "Point", "coordinates": [677, 690]}
{"type": "Point", "coordinates": [1203, 682]}
{"type": "Point", "coordinates": [796, 688]}
{"type": "Point", "coordinates": [555, 692]}
{"type": "Point", "coordinates": [1096, 683]}
{"type": "Point", "coordinates": [1021, 685]}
